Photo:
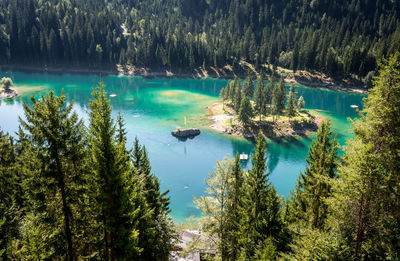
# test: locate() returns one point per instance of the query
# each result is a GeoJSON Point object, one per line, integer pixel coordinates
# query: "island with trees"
{"type": "Point", "coordinates": [7, 91]}
{"type": "Point", "coordinates": [245, 109]}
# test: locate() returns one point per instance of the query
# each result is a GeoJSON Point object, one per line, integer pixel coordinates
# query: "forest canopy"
{"type": "Point", "coordinates": [336, 37]}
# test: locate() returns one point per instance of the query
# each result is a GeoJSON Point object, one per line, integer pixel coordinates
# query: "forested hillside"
{"type": "Point", "coordinates": [337, 37]}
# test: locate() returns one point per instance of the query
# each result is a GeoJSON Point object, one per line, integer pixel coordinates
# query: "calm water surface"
{"type": "Point", "coordinates": [154, 107]}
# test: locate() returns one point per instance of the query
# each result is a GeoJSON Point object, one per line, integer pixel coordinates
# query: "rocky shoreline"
{"type": "Point", "coordinates": [225, 72]}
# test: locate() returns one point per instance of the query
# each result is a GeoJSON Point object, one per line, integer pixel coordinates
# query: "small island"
{"type": "Point", "coordinates": [7, 92]}
{"type": "Point", "coordinates": [271, 110]}
{"type": "Point", "coordinates": [185, 133]}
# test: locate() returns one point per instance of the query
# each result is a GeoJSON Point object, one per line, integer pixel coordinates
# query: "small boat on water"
{"type": "Point", "coordinates": [354, 106]}
{"type": "Point", "coordinates": [186, 187]}
{"type": "Point", "coordinates": [244, 156]}
{"type": "Point", "coordinates": [113, 95]}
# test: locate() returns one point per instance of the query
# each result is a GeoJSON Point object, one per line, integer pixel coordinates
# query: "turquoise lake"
{"type": "Point", "coordinates": [152, 107]}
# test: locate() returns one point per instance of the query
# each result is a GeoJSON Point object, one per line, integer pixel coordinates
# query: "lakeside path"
{"type": "Point", "coordinates": [224, 121]}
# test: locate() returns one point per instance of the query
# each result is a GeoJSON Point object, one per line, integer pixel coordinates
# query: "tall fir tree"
{"type": "Point", "coordinates": [11, 206]}
{"type": "Point", "coordinates": [260, 97]}
{"type": "Point", "coordinates": [237, 100]}
{"type": "Point", "coordinates": [261, 205]}
{"type": "Point", "coordinates": [245, 111]}
{"type": "Point", "coordinates": [248, 87]}
{"type": "Point", "coordinates": [308, 203]}
{"type": "Point", "coordinates": [292, 102]}
{"type": "Point", "coordinates": [116, 210]}
{"type": "Point", "coordinates": [366, 197]}
{"type": "Point", "coordinates": [234, 204]}
{"type": "Point", "coordinates": [57, 171]}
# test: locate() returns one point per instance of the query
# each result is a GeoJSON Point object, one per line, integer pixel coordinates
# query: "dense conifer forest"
{"type": "Point", "coordinates": [340, 38]}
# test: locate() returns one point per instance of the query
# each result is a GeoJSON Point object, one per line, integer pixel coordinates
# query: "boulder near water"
{"type": "Point", "coordinates": [185, 133]}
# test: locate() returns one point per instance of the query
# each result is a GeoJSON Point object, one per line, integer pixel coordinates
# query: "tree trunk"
{"type": "Point", "coordinates": [68, 233]}
{"type": "Point", "coordinates": [65, 210]}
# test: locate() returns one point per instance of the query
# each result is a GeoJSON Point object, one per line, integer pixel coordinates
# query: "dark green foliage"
{"type": "Point", "coordinates": [278, 97]}
{"type": "Point", "coordinates": [235, 196]}
{"type": "Point", "coordinates": [116, 210]}
{"type": "Point", "coordinates": [260, 97]}
{"type": "Point", "coordinates": [261, 205]}
{"type": "Point", "coordinates": [55, 172]}
{"type": "Point", "coordinates": [237, 100]}
{"type": "Point", "coordinates": [10, 195]}
{"type": "Point", "coordinates": [245, 111]}
{"type": "Point", "coordinates": [366, 198]}
{"type": "Point", "coordinates": [336, 37]}
{"type": "Point", "coordinates": [248, 87]}
{"type": "Point", "coordinates": [292, 102]}
{"type": "Point", "coordinates": [156, 236]}
{"type": "Point", "coordinates": [313, 187]}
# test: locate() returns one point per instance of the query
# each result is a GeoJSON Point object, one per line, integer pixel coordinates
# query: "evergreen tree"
{"type": "Point", "coordinates": [10, 189]}
{"type": "Point", "coordinates": [269, 90]}
{"type": "Point", "coordinates": [121, 129]}
{"type": "Point", "coordinates": [261, 205]}
{"type": "Point", "coordinates": [237, 101]}
{"type": "Point", "coordinates": [248, 88]}
{"type": "Point", "coordinates": [365, 202]}
{"type": "Point", "coordinates": [156, 228]}
{"type": "Point", "coordinates": [291, 102]}
{"type": "Point", "coordinates": [308, 203]}
{"type": "Point", "coordinates": [278, 97]}
{"type": "Point", "coordinates": [55, 176]}
{"type": "Point", "coordinates": [260, 97]}
{"type": "Point", "coordinates": [301, 103]}
{"type": "Point", "coordinates": [234, 204]}
{"type": "Point", "coordinates": [246, 111]}
{"type": "Point", "coordinates": [109, 165]}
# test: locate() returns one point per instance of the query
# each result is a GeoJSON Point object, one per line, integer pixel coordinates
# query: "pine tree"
{"type": "Point", "coordinates": [56, 173]}
{"type": "Point", "coordinates": [248, 88]}
{"type": "Point", "coordinates": [313, 188]}
{"type": "Point", "coordinates": [110, 167]}
{"type": "Point", "coordinates": [245, 111]}
{"type": "Point", "coordinates": [261, 206]}
{"type": "Point", "coordinates": [269, 90]}
{"type": "Point", "coordinates": [234, 204]}
{"type": "Point", "coordinates": [260, 97]}
{"type": "Point", "coordinates": [237, 101]}
{"type": "Point", "coordinates": [157, 228]}
{"type": "Point", "coordinates": [366, 196]}
{"type": "Point", "coordinates": [278, 97]}
{"type": "Point", "coordinates": [121, 129]}
{"type": "Point", "coordinates": [10, 189]}
{"type": "Point", "coordinates": [291, 102]}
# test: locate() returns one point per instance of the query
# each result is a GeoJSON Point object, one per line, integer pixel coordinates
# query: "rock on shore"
{"type": "Point", "coordinates": [8, 94]}
{"type": "Point", "coordinates": [185, 133]}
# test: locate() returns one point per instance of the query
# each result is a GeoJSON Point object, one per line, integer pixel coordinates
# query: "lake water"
{"type": "Point", "coordinates": [154, 107]}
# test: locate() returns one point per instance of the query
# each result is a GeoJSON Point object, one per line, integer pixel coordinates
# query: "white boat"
{"type": "Point", "coordinates": [244, 156]}
{"type": "Point", "coordinates": [354, 106]}
{"type": "Point", "coordinates": [113, 95]}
